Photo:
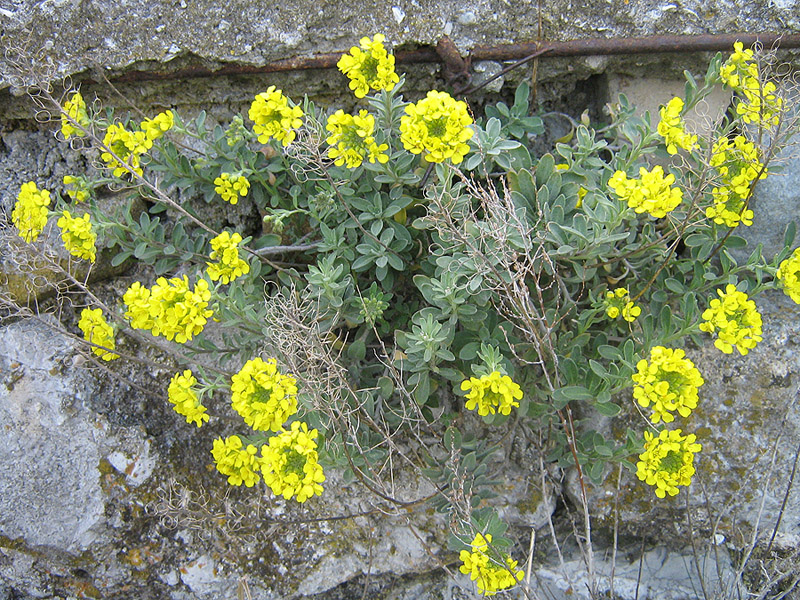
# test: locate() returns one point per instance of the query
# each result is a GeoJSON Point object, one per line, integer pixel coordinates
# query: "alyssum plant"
{"type": "Point", "coordinates": [438, 269]}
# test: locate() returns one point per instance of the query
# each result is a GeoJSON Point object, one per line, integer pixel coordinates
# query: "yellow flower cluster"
{"type": "Point", "coordinates": [618, 302]}
{"type": "Point", "coordinates": [182, 395]}
{"type": "Point", "coordinates": [97, 331]}
{"type": "Point", "coordinates": [78, 235]}
{"type": "Point", "coordinates": [75, 109]}
{"type": "Point", "coordinates": [351, 139]}
{"type": "Point", "coordinates": [667, 461]}
{"type": "Point", "coordinates": [230, 187]}
{"type": "Point", "coordinates": [228, 265]}
{"type": "Point", "coordinates": [492, 393]}
{"type": "Point", "coordinates": [274, 118]}
{"type": "Point", "coordinates": [758, 104]}
{"type": "Point", "coordinates": [669, 382]}
{"type": "Point", "coordinates": [157, 126]}
{"type": "Point", "coordinates": [738, 165]}
{"type": "Point", "coordinates": [789, 275]}
{"type": "Point", "coordinates": [170, 308]}
{"type": "Point", "coordinates": [237, 461]}
{"type": "Point", "coordinates": [369, 66]}
{"type": "Point", "coordinates": [30, 212]}
{"type": "Point", "coordinates": [653, 193]}
{"type": "Point", "coordinates": [264, 397]}
{"type": "Point", "coordinates": [79, 189]}
{"type": "Point", "coordinates": [673, 129]}
{"type": "Point", "coordinates": [437, 125]}
{"type": "Point", "coordinates": [735, 319]}
{"type": "Point", "coordinates": [127, 146]}
{"type": "Point", "coordinates": [488, 575]}
{"type": "Point", "coordinates": [289, 463]}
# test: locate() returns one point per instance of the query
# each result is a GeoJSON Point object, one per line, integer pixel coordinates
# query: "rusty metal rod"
{"type": "Point", "coordinates": [545, 49]}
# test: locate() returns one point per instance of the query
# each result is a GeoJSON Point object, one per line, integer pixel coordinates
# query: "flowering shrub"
{"type": "Point", "coordinates": [170, 308]}
{"type": "Point", "coordinates": [273, 118]}
{"type": "Point", "coordinates": [653, 193]}
{"type": "Point", "coordinates": [237, 461]}
{"type": "Point", "coordinates": [420, 278]}
{"type": "Point", "coordinates": [489, 576]}
{"type": "Point", "coordinates": [30, 212]}
{"type": "Point", "coordinates": [369, 66]}
{"type": "Point", "coordinates": [263, 396]}
{"type": "Point", "coordinates": [437, 126]}
{"type": "Point", "coordinates": [669, 382]}
{"type": "Point", "coordinates": [619, 304]}
{"type": "Point", "coordinates": [74, 114]}
{"type": "Point", "coordinates": [667, 461]}
{"type": "Point", "coordinates": [78, 236]}
{"type": "Point", "coordinates": [491, 393]}
{"type": "Point", "coordinates": [227, 265]}
{"type": "Point", "coordinates": [97, 331]}
{"type": "Point", "coordinates": [673, 129]}
{"type": "Point", "coordinates": [735, 319]}
{"type": "Point", "coordinates": [351, 139]}
{"type": "Point", "coordinates": [289, 464]}
{"type": "Point", "coordinates": [183, 396]}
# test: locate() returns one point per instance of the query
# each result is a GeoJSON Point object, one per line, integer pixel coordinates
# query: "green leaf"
{"type": "Point", "coordinates": [385, 387]}
{"type": "Point", "coordinates": [120, 258]}
{"type": "Point", "coordinates": [357, 350]}
{"type": "Point", "coordinates": [597, 368]}
{"type": "Point", "coordinates": [791, 231]}
{"type": "Point", "coordinates": [608, 409]}
{"type": "Point", "coordinates": [609, 352]}
{"type": "Point", "coordinates": [575, 392]}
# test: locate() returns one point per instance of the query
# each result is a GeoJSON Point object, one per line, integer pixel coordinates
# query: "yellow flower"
{"type": "Point", "coordinates": [490, 576]}
{"type": "Point", "coordinates": [492, 393]}
{"type": "Point", "coordinates": [182, 395]}
{"type": "Point", "coordinates": [369, 66]}
{"type": "Point", "coordinates": [669, 382]}
{"type": "Point", "coordinates": [740, 62]}
{"type": "Point", "coordinates": [137, 301]}
{"type": "Point", "coordinates": [618, 302]}
{"type": "Point", "coordinates": [78, 236]}
{"type": "Point", "coordinates": [170, 309]}
{"type": "Point", "coordinates": [80, 190]}
{"type": "Point", "coordinates": [351, 139]}
{"type": "Point", "coordinates": [289, 464]}
{"type": "Point", "coordinates": [230, 187]}
{"type": "Point", "coordinates": [128, 146]}
{"type": "Point", "coordinates": [673, 129]}
{"type": "Point", "coordinates": [239, 463]}
{"type": "Point", "coordinates": [735, 319]}
{"type": "Point", "coordinates": [667, 461]}
{"type": "Point", "coordinates": [789, 275]}
{"type": "Point", "coordinates": [97, 331]}
{"type": "Point", "coordinates": [758, 102]}
{"type": "Point", "coordinates": [225, 250]}
{"type": "Point", "coordinates": [438, 126]}
{"type": "Point", "coordinates": [30, 212]}
{"type": "Point", "coordinates": [75, 109]}
{"type": "Point", "coordinates": [274, 118]}
{"type": "Point", "coordinates": [263, 396]}
{"type": "Point", "coordinates": [157, 126]}
{"type": "Point", "coordinates": [738, 165]}
{"type": "Point", "coordinates": [652, 193]}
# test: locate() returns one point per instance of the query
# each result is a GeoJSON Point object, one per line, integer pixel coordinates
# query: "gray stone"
{"type": "Point", "coordinates": [50, 493]}
{"type": "Point", "coordinates": [658, 574]}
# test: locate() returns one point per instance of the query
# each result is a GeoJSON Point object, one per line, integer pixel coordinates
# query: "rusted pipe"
{"type": "Point", "coordinates": [503, 52]}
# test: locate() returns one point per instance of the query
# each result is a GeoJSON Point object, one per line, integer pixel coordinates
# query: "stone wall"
{"type": "Point", "coordinates": [101, 495]}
